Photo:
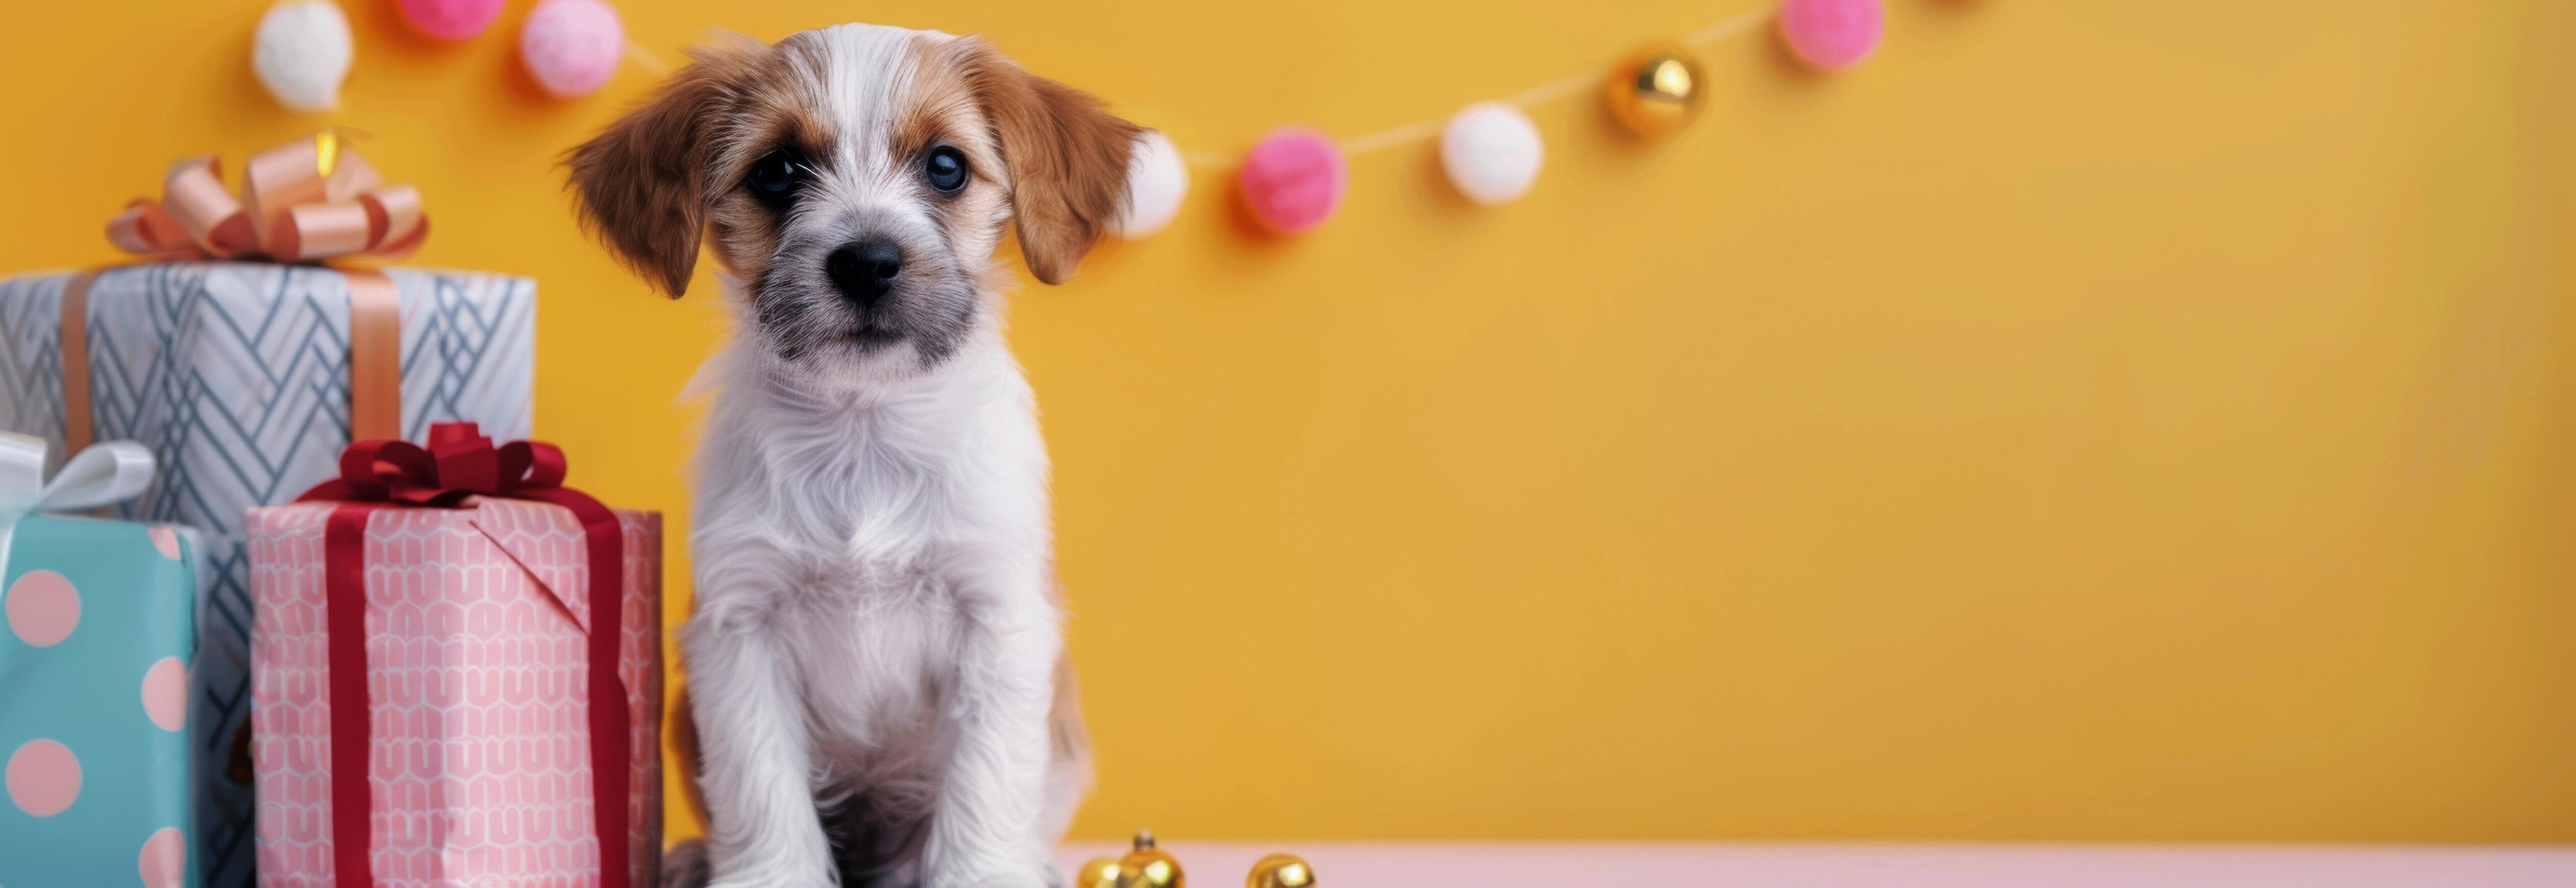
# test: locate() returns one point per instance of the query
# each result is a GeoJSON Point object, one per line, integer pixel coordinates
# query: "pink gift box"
{"type": "Point", "coordinates": [476, 677]}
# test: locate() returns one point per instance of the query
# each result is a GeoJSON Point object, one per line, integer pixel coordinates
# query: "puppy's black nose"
{"type": "Point", "coordinates": [864, 271]}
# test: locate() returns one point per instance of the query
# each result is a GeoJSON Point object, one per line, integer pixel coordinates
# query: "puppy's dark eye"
{"type": "Point", "coordinates": [945, 168]}
{"type": "Point", "coordinates": [776, 176]}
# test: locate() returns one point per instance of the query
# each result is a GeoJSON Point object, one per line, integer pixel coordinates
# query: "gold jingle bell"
{"type": "Point", "coordinates": [1101, 872]}
{"type": "Point", "coordinates": [1281, 871]}
{"type": "Point", "coordinates": [1148, 867]}
{"type": "Point", "coordinates": [1655, 91]}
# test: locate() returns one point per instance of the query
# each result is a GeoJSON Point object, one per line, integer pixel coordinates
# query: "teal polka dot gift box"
{"type": "Point", "coordinates": [97, 634]}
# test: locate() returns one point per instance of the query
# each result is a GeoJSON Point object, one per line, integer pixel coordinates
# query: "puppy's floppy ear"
{"type": "Point", "coordinates": [640, 185]}
{"type": "Point", "coordinates": [1067, 158]}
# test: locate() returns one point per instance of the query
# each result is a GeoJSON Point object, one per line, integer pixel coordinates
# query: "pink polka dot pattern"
{"type": "Point", "coordinates": [164, 861]}
{"type": "Point", "coordinates": [165, 694]}
{"type": "Point", "coordinates": [44, 777]}
{"type": "Point", "coordinates": [1832, 34]}
{"type": "Point", "coordinates": [1294, 180]}
{"type": "Point", "coordinates": [42, 607]}
{"type": "Point", "coordinates": [165, 540]}
{"type": "Point", "coordinates": [481, 766]}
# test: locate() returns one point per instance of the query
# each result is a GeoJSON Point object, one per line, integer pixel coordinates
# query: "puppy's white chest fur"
{"type": "Point", "coordinates": [872, 535]}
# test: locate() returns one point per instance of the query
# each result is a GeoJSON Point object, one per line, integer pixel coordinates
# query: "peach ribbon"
{"type": "Point", "coordinates": [306, 200]}
{"type": "Point", "coordinates": [77, 430]}
{"type": "Point", "coordinates": [375, 357]}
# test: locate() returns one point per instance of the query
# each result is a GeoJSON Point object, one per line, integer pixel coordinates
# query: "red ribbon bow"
{"type": "Point", "coordinates": [460, 463]}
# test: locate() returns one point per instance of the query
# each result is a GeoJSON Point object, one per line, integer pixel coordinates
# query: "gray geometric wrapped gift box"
{"type": "Point", "coordinates": [236, 374]}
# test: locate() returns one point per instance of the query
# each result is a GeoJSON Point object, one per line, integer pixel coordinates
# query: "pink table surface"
{"type": "Point", "coordinates": [1749, 865]}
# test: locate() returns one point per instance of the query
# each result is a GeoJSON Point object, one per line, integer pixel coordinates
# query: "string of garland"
{"type": "Point", "coordinates": [1296, 178]}
{"type": "Point", "coordinates": [1292, 181]}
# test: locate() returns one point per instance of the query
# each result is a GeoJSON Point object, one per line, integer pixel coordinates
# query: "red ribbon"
{"type": "Point", "coordinates": [460, 463]}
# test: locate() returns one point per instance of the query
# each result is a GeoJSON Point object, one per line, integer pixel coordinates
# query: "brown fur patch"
{"type": "Point", "coordinates": [641, 185]}
{"type": "Point", "coordinates": [1066, 158]}
{"type": "Point", "coordinates": [776, 111]}
{"type": "Point", "coordinates": [939, 107]}
{"type": "Point", "coordinates": [1068, 735]}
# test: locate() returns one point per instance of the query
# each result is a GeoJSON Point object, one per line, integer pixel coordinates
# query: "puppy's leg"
{"type": "Point", "coordinates": [1069, 755]}
{"type": "Point", "coordinates": [763, 831]}
{"type": "Point", "coordinates": [984, 826]}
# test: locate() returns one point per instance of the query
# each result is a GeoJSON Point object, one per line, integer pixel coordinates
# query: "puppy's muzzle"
{"type": "Point", "coordinates": [864, 271]}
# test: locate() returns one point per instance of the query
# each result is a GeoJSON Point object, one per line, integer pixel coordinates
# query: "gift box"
{"type": "Point", "coordinates": [246, 379]}
{"type": "Point", "coordinates": [94, 702]}
{"type": "Point", "coordinates": [456, 586]}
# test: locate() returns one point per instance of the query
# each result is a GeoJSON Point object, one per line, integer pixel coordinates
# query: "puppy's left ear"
{"type": "Point", "coordinates": [1067, 159]}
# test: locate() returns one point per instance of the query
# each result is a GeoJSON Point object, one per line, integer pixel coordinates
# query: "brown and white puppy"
{"type": "Point", "coordinates": [873, 658]}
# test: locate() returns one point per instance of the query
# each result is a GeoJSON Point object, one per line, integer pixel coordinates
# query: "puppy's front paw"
{"type": "Point", "coordinates": [1041, 871]}
{"type": "Point", "coordinates": [771, 880]}
{"type": "Point", "coordinates": [1033, 868]}
{"type": "Point", "coordinates": [1044, 865]}
{"type": "Point", "coordinates": [771, 869]}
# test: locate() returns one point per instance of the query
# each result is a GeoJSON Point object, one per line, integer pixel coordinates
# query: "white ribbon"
{"type": "Point", "coordinates": [106, 472]}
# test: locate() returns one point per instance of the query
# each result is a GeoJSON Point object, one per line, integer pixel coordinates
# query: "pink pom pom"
{"type": "Point", "coordinates": [572, 46]}
{"type": "Point", "coordinates": [1832, 34]}
{"type": "Point", "coordinates": [450, 19]}
{"type": "Point", "coordinates": [1294, 180]}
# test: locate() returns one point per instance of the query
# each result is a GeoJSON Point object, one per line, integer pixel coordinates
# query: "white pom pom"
{"type": "Point", "coordinates": [1492, 152]}
{"type": "Point", "coordinates": [302, 53]}
{"type": "Point", "coordinates": [1156, 181]}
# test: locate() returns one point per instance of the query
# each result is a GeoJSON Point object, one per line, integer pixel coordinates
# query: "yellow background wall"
{"type": "Point", "coordinates": [2085, 421]}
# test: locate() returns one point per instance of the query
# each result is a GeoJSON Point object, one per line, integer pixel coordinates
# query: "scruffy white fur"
{"type": "Point", "coordinates": [873, 659]}
{"type": "Point", "coordinates": [818, 659]}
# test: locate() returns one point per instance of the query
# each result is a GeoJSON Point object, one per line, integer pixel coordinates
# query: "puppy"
{"type": "Point", "coordinates": [874, 654]}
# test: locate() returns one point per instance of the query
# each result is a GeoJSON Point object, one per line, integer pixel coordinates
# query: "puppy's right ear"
{"type": "Point", "coordinates": [640, 185]}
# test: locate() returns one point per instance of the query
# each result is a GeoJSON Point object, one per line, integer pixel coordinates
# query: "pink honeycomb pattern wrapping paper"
{"type": "Point", "coordinates": [476, 677]}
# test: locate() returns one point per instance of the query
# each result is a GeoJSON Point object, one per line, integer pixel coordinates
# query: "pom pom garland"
{"type": "Point", "coordinates": [1156, 182]}
{"type": "Point", "coordinates": [1492, 153]}
{"type": "Point", "coordinates": [572, 46]}
{"type": "Point", "coordinates": [1294, 180]}
{"type": "Point", "coordinates": [1832, 34]}
{"type": "Point", "coordinates": [450, 19]}
{"type": "Point", "coordinates": [301, 53]}
{"type": "Point", "coordinates": [1656, 92]}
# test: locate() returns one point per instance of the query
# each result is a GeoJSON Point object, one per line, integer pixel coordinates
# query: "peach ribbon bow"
{"type": "Point", "coordinates": [306, 200]}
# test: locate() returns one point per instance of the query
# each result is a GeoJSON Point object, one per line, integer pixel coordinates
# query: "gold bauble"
{"type": "Point", "coordinates": [1281, 871]}
{"type": "Point", "coordinates": [1150, 867]}
{"type": "Point", "coordinates": [1656, 91]}
{"type": "Point", "coordinates": [1101, 872]}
